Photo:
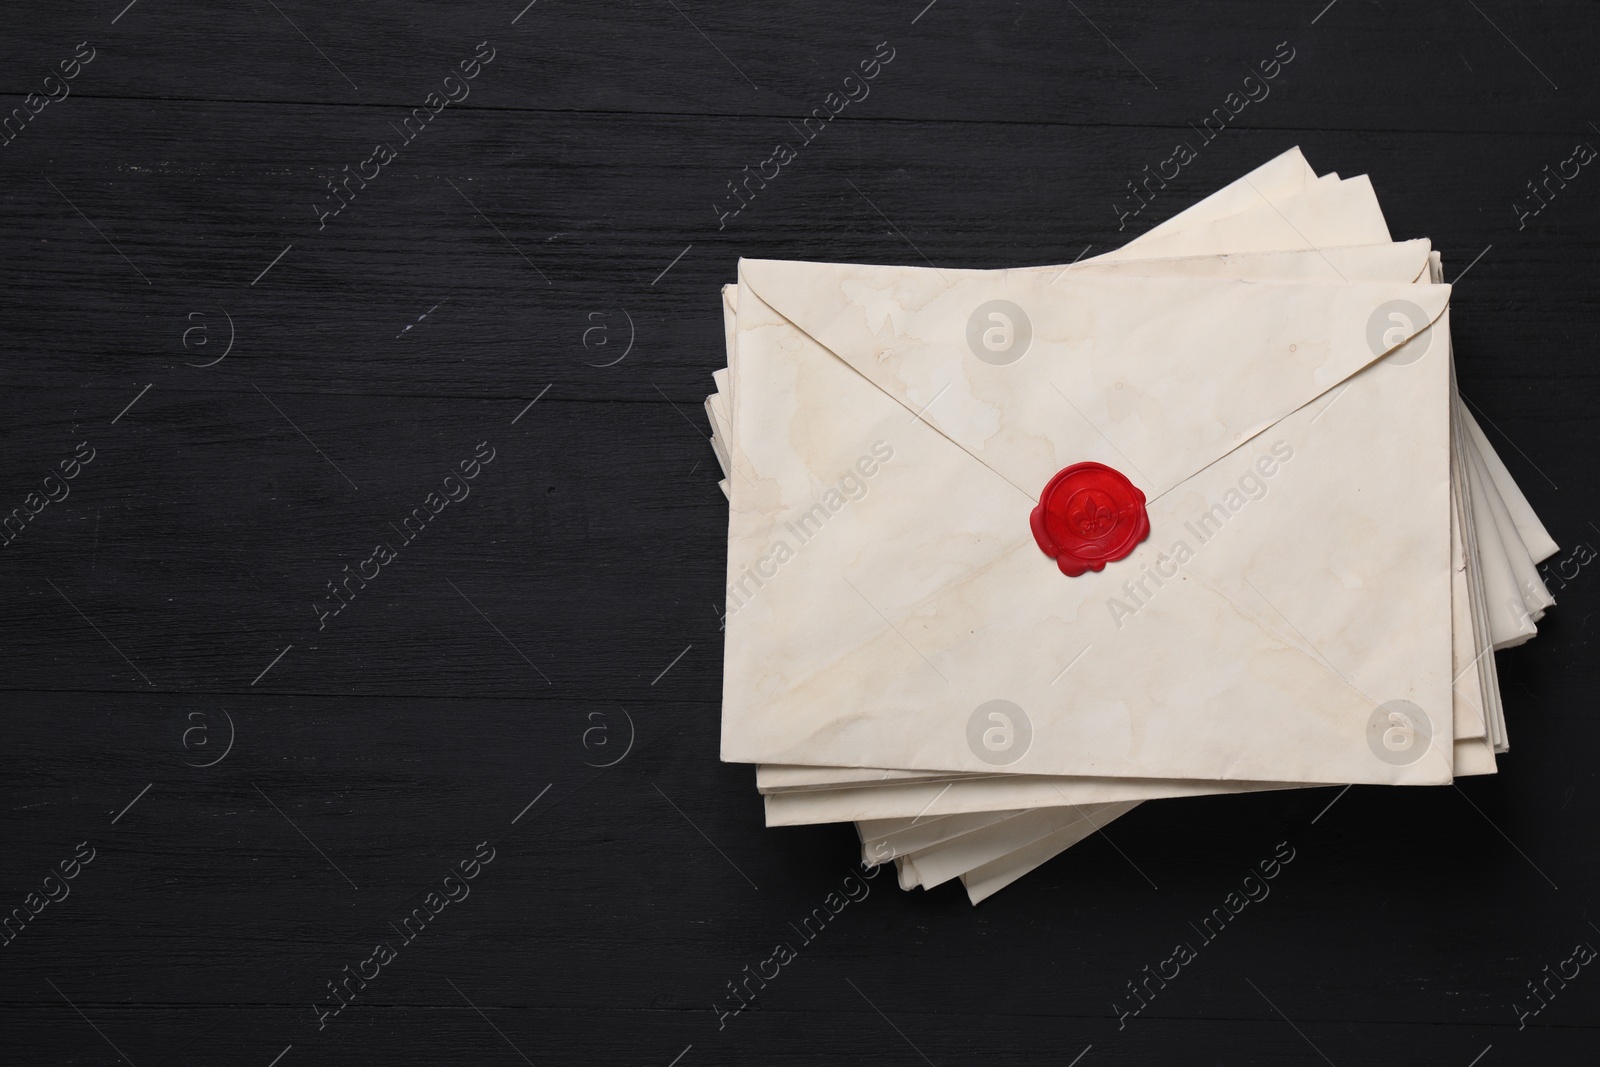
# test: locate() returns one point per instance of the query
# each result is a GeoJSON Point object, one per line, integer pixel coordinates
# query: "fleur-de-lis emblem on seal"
{"type": "Point", "coordinates": [1094, 516]}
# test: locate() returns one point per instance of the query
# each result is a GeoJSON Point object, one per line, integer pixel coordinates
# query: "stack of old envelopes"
{"type": "Point", "coordinates": [1010, 552]}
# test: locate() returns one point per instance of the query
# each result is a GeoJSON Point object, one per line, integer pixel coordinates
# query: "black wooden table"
{"type": "Point", "coordinates": [279, 275]}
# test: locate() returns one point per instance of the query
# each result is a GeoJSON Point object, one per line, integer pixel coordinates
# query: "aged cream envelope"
{"type": "Point", "coordinates": [1183, 380]}
{"type": "Point", "coordinates": [1406, 261]}
{"type": "Point", "coordinates": [1282, 176]}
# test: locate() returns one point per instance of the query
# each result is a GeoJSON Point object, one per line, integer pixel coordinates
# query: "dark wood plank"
{"type": "Point", "coordinates": [1050, 64]}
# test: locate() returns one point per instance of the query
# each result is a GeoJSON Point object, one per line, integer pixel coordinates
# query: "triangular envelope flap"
{"type": "Point", "coordinates": [1155, 376]}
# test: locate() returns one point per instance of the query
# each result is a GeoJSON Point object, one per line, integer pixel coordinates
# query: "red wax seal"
{"type": "Point", "coordinates": [1089, 515]}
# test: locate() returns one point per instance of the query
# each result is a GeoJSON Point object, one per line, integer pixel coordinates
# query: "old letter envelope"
{"type": "Point", "coordinates": [1285, 602]}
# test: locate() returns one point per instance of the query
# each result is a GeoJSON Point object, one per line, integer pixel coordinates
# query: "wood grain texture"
{"type": "Point", "coordinates": [565, 613]}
